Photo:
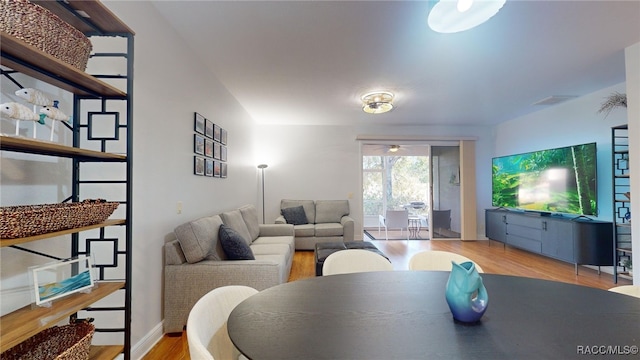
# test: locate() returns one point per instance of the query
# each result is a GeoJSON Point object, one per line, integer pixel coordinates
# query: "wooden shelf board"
{"type": "Point", "coordinates": [23, 323]}
{"type": "Point", "coordinates": [55, 71]}
{"type": "Point", "coordinates": [105, 352]}
{"type": "Point", "coordinates": [99, 14]}
{"type": "Point", "coordinates": [9, 242]}
{"type": "Point", "coordinates": [624, 249]}
{"type": "Point", "coordinates": [40, 147]}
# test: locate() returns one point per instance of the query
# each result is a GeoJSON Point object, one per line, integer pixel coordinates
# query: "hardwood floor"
{"type": "Point", "coordinates": [493, 257]}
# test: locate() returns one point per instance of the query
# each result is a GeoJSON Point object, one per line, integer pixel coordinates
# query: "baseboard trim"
{"type": "Point", "coordinates": [142, 347]}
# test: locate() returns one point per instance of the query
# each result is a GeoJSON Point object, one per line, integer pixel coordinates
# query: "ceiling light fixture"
{"type": "Point", "coordinates": [394, 148]}
{"type": "Point", "coordinates": [451, 16]}
{"type": "Point", "coordinates": [377, 102]}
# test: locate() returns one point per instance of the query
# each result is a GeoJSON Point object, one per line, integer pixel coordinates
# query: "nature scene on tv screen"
{"type": "Point", "coordinates": [559, 180]}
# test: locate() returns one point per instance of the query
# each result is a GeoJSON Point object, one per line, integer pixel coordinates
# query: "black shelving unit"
{"type": "Point", "coordinates": [621, 200]}
{"type": "Point", "coordinates": [98, 99]}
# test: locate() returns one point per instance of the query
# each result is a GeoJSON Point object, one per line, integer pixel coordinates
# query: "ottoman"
{"type": "Point", "coordinates": [322, 250]}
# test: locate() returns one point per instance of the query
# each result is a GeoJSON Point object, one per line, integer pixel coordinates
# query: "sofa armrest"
{"type": "Point", "coordinates": [185, 284]}
{"type": "Point", "coordinates": [280, 220]}
{"type": "Point", "coordinates": [348, 224]}
{"type": "Point", "coordinates": [276, 230]}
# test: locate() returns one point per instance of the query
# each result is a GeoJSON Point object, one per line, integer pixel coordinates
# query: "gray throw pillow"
{"type": "Point", "coordinates": [234, 245]}
{"type": "Point", "coordinates": [295, 215]}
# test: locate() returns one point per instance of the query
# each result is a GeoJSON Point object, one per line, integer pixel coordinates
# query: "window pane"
{"type": "Point", "coordinates": [372, 193]}
{"type": "Point", "coordinates": [372, 162]}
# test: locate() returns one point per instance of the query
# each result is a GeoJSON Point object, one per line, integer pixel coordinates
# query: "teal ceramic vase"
{"type": "Point", "coordinates": [466, 295]}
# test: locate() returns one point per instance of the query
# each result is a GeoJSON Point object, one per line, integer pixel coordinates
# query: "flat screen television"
{"type": "Point", "coordinates": [561, 180]}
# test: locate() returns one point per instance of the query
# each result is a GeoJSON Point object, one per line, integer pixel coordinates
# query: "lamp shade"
{"type": "Point", "coordinates": [445, 17]}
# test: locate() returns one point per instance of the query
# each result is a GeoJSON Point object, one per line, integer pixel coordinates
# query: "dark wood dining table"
{"type": "Point", "coordinates": [404, 315]}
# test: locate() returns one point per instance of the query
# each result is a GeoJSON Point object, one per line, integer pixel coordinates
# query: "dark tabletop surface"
{"type": "Point", "coordinates": [404, 315]}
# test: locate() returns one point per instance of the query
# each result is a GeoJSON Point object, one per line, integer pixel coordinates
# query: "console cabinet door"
{"type": "Point", "coordinates": [557, 239]}
{"type": "Point", "coordinates": [496, 225]}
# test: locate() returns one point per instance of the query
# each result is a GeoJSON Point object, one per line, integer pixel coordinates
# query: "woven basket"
{"type": "Point", "coordinates": [68, 342]}
{"type": "Point", "coordinates": [44, 30]}
{"type": "Point", "coordinates": [29, 220]}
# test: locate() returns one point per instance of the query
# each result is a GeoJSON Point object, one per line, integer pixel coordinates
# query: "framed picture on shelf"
{"type": "Point", "coordinates": [216, 168]}
{"type": "Point", "coordinates": [208, 148]}
{"type": "Point", "coordinates": [216, 133]}
{"type": "Point", "coordinates": [198, 144]}
{"type": "Point", "coordinates": [62, 278]}
{"type": "Point", "coordinates": [208, 167]}
{"type": "Point", "coordinates": [223, 170]}
{"type": "Point", "coordinates": [208, 128]}
{"type": "Point", "coordinates": [216, 151]}
{"type": "Point", "coordinates": [199, 123]}
{"type": "Point", "coordinates": [223, 153]}
{"type": "Point", "coordinates": [198, 165]}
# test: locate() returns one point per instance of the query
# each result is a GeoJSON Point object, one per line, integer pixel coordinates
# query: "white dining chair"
{"type": "Point", "coordinates": [396, 219]}
{"type": "Point", "coordinates": [207, 323]}
{"type": "Point", "coordinates": [437, 260]}
{"type": "Point", "coordinates": [354, 260]}
{"type": "Point", "coordinates": [631, 290]}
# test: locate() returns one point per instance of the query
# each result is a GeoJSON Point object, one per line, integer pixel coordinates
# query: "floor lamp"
{"type": "Point", "coordinates": [262, 167]}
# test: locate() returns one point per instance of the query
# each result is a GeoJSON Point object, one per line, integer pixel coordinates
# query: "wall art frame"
{"type": "Point", "coordinates": [208, 148]}
{"type": "Point", "coordinates": [223, 153]}
{"type": "Point", "coordinates": [208, 167]}
{"type": "Point", "coordinates": [198, 144]}
{"type": "Point", "coordinates": [223, 170]}
{"type": "Point", "coordinates": [216, 169]}
{"type": "Point", "coordinates": [216, 132]}
{"type": "Point", "coordinates": [199, 123]}
{"type": "Point", "coordinates": [198, 165]}
{"type": "Point", "coordinates": [216, 151]}
{"type": "Point", "coordinates": [208, 128]}
{"type": "Point", "coordinates": [62, 278]}
{"type": "Point", "coordinates": [223, 136]}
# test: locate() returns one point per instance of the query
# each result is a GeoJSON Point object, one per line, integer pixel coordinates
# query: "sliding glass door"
{"type": "Point", "coordinates": [445, 211]}
{"type": "Point", "coordinates": [396, 177]}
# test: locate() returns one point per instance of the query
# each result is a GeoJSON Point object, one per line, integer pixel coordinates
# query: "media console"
{"type": "Point", "coordinates": [578, 240]}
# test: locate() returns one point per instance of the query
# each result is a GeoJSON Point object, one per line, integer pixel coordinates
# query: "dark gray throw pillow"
{"type": "Point", "coordinates": [234, 246]}
{"type": "Point", "coordinates": [295, 215]}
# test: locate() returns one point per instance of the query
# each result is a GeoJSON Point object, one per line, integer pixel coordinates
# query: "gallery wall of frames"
{"type": "Point", "coordinates": [210, 148]}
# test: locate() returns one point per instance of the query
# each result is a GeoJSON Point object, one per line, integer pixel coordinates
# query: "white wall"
{"type": "Point", "coordinates": [569, 123]}
{"type": "Point", "coordinates": [170, 85]}
{"type": "Point", "coordinates": [323, 162]}
{"type": "Point", "coordinates": [632, 59]}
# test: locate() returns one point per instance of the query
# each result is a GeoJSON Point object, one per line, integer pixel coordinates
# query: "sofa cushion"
{"type": "Point", "coordinates": [308, 205]}
{"type": "Point", "coordinates": [234, 245]}
{"type": "Point", "coordinates": [329, 229]}
{"type": "Point", "coordinates": [234, 220]}
{"type": "Point", "coordinates": [295, 215]}
{"type": "Point", "coordinates": [199, 239]}
{"type": "Point", "coordinates": [250, 217]}
{"type": "Point", "coordinates": [287, 240]}
{"type": "Point", "coordinates": [304, 230]}
{"type": "Point", "coordinates": [331, 211]}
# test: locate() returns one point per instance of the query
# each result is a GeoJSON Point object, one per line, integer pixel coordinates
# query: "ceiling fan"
{"type": "Point", "coordinates": [388, 149]}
